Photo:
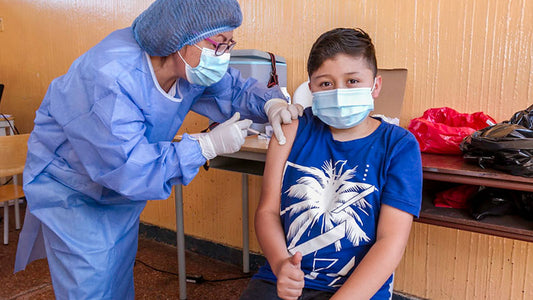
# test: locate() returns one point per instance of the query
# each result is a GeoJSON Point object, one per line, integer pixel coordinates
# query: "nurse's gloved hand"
{"type": "Point", "coordinates": [280, 112]}
{"type": "Point", "coordinates": [227, 137]}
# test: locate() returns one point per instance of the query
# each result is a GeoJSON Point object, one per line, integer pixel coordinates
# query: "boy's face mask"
{"type": "Point", "coordinates": [343, 108]}
{"type": "Point", "coordinates": [210, 69]}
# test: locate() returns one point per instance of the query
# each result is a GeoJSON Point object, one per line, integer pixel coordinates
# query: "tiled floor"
{"type": "Point", "coordinates": [35, 283]}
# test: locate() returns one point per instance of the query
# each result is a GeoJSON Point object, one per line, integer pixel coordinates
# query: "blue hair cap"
{"type": "Point", "coordinates": [168, 25]}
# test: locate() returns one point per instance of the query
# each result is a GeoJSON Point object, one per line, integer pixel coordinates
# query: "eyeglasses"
{"type": "Point", "coordinates": [221, 48]}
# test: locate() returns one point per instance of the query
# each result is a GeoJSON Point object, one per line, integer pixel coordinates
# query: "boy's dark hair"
{"type": "Point", "coordinates": [353, 42]}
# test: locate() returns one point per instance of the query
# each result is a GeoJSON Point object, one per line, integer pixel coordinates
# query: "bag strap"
{"type": "Point", "coordinates": [273, 74]}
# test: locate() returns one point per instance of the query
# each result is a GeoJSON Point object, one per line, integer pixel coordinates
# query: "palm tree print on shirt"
{"type": "Point", "coordinates": [328, 196]}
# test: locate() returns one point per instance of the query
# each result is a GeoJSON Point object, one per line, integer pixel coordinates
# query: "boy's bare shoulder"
{"type": "Point", "coordinates": [290, 130]}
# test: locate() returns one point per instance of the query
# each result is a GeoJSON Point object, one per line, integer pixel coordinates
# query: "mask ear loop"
{"type": "Point", "coordinates": [373, 85]}
{"type": "Point", "coordinates": [182, 59]}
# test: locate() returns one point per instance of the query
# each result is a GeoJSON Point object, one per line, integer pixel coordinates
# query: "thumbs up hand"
{"type": "Point", "coordinates": [290, 278]}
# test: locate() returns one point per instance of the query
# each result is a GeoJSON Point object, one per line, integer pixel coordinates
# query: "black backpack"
{"type": "Point", "coordinates": [524, 118]}
{"type": "Point", "coordinates": [506, 146]}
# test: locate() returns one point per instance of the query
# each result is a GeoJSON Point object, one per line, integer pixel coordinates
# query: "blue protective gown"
{"type": "Point", "coordinates": [101, 147]}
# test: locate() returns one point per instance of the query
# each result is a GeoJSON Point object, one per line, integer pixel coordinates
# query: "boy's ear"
{"type": "Point", "coordinates": [377, 87]}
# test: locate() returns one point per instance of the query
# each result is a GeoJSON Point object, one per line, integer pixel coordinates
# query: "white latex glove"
{"type": "Point", "coordinates": [280, 112]}
{"type": "Point", "coordinates": [227, 137]}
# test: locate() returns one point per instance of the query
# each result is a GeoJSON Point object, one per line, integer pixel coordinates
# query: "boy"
{"type": "Point", "coordinates": [338, 199]}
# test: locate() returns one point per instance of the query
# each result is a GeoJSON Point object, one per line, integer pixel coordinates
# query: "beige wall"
{"type": "Point", "coordinates": [471, 55]}
{"type": "Point", "coordinates": [444, 263]}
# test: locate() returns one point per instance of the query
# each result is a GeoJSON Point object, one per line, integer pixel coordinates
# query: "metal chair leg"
{"type": "Point", "coordinates": [17, 214]}
{"type": "Point", "coordinates": [6, 222]}
{"type": "Point", "coordinates": [17, 209]}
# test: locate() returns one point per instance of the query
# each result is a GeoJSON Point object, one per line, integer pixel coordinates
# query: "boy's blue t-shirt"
{"type": "Point", "coordinates": [332, 194]}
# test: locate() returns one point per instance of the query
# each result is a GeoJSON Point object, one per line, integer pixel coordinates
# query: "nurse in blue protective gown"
{"type": "Point", "coordinates": [102, 141]}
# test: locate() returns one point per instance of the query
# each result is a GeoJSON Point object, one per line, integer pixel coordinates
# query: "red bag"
{"type": "Point", "coordinates": [456, 197]}
{"type": "Point", "coordinates": [441, 130]}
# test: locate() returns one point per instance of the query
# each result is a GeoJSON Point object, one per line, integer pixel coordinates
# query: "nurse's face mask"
{"type": "Point", "coordinates": [343, 108]}
{"type": "Point", "coordinates": [211, 68]}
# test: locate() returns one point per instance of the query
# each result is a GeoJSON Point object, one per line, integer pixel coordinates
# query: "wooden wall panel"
{"type": "Point", "coordinates": [42, 38]}
{"type": "Point", "coordinates": [444, 263]}
{"type": "Point", "coordinates": [471, 55]}
{"type": "Point", "coordinates": [254, 193]}
{"type": "Point", "coordinates": [213, 211]}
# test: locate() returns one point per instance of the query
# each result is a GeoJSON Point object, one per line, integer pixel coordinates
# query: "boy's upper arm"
{"type": "Point", "coordinates": [276, 158]}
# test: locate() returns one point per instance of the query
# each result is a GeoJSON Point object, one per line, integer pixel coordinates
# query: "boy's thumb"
{"type": "Point", "coordinates": [296, 259]}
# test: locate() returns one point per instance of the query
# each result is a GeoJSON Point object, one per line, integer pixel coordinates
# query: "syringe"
{"type": "Point", "coordinates": [258, 133]}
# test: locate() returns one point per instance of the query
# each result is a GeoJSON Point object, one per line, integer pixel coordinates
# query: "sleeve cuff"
{"type": "Point", "coordinates": [192, 159]}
